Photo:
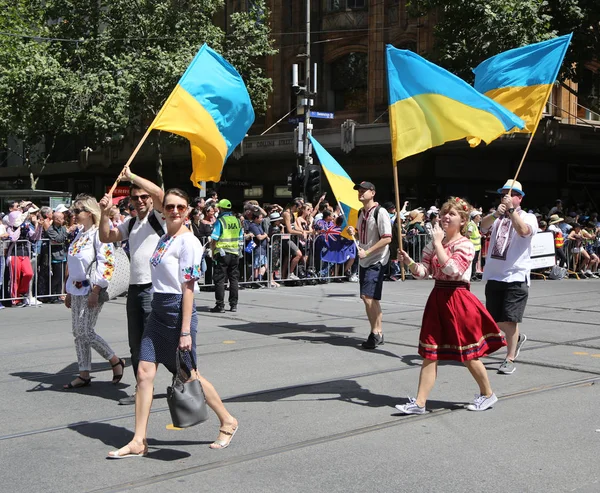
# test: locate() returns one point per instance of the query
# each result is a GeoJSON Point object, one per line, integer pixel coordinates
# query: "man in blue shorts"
{"type": "Point", "coordinates": [374, 230]}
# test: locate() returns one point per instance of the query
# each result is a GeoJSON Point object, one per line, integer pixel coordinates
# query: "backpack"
{"type": "Point", "coordinates": [156, 226]}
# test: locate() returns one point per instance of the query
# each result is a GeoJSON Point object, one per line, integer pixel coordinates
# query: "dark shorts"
{"type": "Point", "coordinates": [506, 301]}
{"type": "Point", "coordinates": [371, 280]}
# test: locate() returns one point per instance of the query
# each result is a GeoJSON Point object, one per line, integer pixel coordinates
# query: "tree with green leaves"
{"type": "Point", "coordinates": [105, 69]}
{"type": "Point", "coordinates": [470, 31]}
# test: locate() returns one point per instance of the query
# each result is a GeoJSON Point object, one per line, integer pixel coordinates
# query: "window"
{"type": "Point", "coordinates": [337, 5]}
{"type": "Point", "coordinates": [348, 82]}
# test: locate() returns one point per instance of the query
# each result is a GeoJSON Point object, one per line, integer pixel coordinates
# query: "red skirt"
{"type": "Point", "coordinates": [456, 326]}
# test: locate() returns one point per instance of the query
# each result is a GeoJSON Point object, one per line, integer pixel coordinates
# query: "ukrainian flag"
{"type": "Point", "coordinates": [211, 107]}
{"type": "Point", "coordinates": [341, 184]}
{"type": "Point", "coordinates": [521, 79]}
{"type": "Point", "coordinates": [430, 106]}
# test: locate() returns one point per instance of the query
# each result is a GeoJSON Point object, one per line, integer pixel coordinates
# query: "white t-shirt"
{"type": "Point", "coordinates": [176, 259]}
{"type": "Point", "coordinates": [142, 242]}
{"type": "Point", "coordinates": [513, 263]}
{"type": "Point", "coordinates": [369, 233]}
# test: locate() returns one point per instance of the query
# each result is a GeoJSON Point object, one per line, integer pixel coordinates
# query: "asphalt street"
{"type": "Point", "coordinates": [316, 412]}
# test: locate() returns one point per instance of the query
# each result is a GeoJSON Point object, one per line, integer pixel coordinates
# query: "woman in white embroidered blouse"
{"type": "Point", "coordinates": [175, 267]}
{"type": "Point", "coordinates": [91, 265]}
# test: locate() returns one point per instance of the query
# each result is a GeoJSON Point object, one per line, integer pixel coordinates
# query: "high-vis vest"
{"type": "Point", "coordinates": [229, 240]}
{"type": "Point", "coordinates": [559, 239]}
{"type": "Point", "coordinates": [475, 236]}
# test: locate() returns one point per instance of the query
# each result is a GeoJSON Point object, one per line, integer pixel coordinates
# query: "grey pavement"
{"type": "Point", "coordinates": [316, 412]}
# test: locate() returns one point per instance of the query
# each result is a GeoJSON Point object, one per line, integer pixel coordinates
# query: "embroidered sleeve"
{"type": "Point", "coordinates": [190, 259]}
{"type": "Point", "coordinates": [422, 269]}
{"type": "Point", "coordinates": [105, 262]}
{"type": "Point", "coordinates": [461, 257]}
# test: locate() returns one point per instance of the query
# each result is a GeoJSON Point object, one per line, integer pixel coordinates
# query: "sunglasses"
{"type": "Point", "coordinates": [136, 198]}
{"type": "Point", "coordinates": [180, 208]}
{"type": "Point", "coordinates": [77, 210]}
{"type": "Point", "coordinates": [512, 194]}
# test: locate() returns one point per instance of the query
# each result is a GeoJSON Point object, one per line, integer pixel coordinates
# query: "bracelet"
{"type": "Point", "coordinates": [412, 262]}
{"type": "Point", "coordinates": [131, 176]}
{"type": "Point", "coordinates": [367, 253]}
{"type": "Point", "coordinates": [185, 334]}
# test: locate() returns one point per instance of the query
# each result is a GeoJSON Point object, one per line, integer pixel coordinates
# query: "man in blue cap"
{"type": "Point", "coordinates": [507, 267]}
{"type": "Point", "coordinates": [227, 240]}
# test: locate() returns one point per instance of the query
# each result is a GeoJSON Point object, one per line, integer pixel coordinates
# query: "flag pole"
{"type": "Point", "coordinates": [531, 137]}
{"type": "Point", "coordinates": [121, 174]}
{"type": "Point", "coordinates": [398, 218]}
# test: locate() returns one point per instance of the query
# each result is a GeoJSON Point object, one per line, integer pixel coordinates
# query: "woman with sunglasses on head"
{"type": "Point", "coordinates": [91, 265]}
{"type": "Point", "coordinates": [175, 267]}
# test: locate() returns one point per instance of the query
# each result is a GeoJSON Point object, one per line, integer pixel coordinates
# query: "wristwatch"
{"type": "Point", "coordinates": [511, 210]}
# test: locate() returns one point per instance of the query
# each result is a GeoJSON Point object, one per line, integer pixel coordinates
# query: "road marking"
{"type": "Point", "coordinates": [595, 355]}
{"type": "Point", "coordinates": [581, 353]}
{"type": "Point", "coordinates": [173, 427]}
{"type": "Point", "coordinates": [228, 342]}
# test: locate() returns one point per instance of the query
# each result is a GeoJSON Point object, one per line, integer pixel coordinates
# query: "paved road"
{"type": "Point", "coordinates": [316, 412]}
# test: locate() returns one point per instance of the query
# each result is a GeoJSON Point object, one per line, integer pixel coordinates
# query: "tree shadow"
{"type": "Point", "coordinates": [343, 390]}
{"type": "Point", "coordinates": [116, 437]}
{"type": "Point", "coordinates": [55, 381]}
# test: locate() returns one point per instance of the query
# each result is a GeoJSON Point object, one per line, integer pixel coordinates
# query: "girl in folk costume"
{"type": "Point", "coordinates": [456, 326]}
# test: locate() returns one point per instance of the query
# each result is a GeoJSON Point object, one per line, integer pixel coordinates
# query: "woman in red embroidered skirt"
{"type": "Point", "coordinates": [456, 326]}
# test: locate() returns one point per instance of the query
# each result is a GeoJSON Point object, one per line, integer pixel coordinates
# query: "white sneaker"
{"type": "Point", "coordinates": [353, 278]}
{"type": "Point", "coordinates": [411, 408]}
{"type": "Point", "coordinates": [294, 277]}
{"type": "Point", "coordinates": [481, 402]}
{"type": "Point", "coordinates": [34, 302]}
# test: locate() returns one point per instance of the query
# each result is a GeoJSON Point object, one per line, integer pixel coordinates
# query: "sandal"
{"type": "Point", "coordinates": [116, 455]}
{"type": "Point", "coordinates": [117, 378]}
{"type": "Point", "coordinates": [224, 443]}
{"type": "Point", "coordinates": [85, 382]}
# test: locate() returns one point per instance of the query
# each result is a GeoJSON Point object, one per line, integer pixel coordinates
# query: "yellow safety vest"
{"type": "Point", "coordinates": [475, 236]}
{"type": "Point", "coordinates": [229, 240]}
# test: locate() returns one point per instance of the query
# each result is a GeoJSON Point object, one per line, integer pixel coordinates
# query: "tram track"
{"type": "Point", "coordinates": [292, 447]}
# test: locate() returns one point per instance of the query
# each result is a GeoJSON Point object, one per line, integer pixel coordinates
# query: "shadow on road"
{"type": "Point", "coordinates": [279, 328]}
{"type": "Point", "coordinates": [343, 390]}
{"type": "Point", "coordinates": [116, 437]}
{"type": "Point", "coordinates": [55, 381]}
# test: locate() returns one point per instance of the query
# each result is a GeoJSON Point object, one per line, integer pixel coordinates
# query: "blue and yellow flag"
{"type": "Point", "coordinates": [341, 184]}
{"type": "Point", "coordinates": [521, 79]}
{"type": "Point", "coordinates": [211, 107]}
{"type": "Point", "coordinates": [430, 106]}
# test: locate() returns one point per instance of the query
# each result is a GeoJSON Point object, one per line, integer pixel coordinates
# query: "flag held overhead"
{"type": "Point", "coordinates": [211, 107]}
{"type": "Point", "coordinates": [521, 79]}
{"type": "Point", "coordinates": [430, 106]}
{"type": "Point", "coordinates": [341, 184]}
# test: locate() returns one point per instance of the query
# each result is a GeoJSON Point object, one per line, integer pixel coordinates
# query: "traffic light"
{"type": "Point", "coordinates": [312, 186]}
{"type": "Point", "coordinates": [295, 184]}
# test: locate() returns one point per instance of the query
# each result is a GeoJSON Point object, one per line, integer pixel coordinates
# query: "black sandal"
{"type": "Point", "coordinates": [86, 383]}
{"type": "Point", "coordinates": [117, 378]}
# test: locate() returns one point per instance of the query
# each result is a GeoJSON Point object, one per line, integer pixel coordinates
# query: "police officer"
{"type": "Point", "coordinates": [475, 237]}
{"type": "Point", "coordinates": [227, 239]}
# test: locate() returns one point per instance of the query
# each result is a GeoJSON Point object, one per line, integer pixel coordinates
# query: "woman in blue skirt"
{"type": "Point", "coordinates": [175, 267]}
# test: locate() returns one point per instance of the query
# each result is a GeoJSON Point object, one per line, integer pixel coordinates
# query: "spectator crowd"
{"type": "Point", "coordinates": [296, 243]}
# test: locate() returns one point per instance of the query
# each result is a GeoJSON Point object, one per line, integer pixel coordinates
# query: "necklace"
{"type": "Point", "coordinates": [161, 249]}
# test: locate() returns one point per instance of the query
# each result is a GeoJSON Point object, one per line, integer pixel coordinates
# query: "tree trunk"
{"type": "Point", "coordinates": [159, 163]}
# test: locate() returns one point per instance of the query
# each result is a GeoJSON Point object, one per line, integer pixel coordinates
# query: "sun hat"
{"type": "Point", "coordinates": [516, 187]}
{"type": "Point", "coordinates": [555, 219]}
{"type": "Point", "coordinates": [61, 208]}
{"type": "Point", "coordinates": [475, 212]}
{"type": "Point", "coordinates": [275, 216]}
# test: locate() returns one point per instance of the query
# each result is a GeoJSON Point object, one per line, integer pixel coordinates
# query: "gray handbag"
{"type": "Point", "coordinates": [186, 400]}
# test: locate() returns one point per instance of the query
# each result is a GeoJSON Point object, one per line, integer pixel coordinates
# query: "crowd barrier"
{"type": "Point", "coordinates": [280, 264]}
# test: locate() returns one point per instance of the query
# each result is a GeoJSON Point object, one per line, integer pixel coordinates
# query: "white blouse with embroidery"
{"type": "Point", "coordinates": [458, 266]}
{"type": "Point", "coordinates": [85, 248]}
{"type": "Point", "coordinates": [176, 260]}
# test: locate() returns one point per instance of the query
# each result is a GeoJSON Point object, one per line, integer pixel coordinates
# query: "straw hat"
{"type": "Point", "coordinates": [516, 187]}
{"type": "Point", "coordinates": [555, 219]}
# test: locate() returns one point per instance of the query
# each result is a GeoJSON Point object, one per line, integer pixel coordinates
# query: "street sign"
{"type": "Point", "coordinates": [322, 114]}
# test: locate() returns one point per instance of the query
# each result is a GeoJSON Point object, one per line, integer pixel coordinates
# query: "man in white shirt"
{"type": "Point", "coordinates": [507, 267]}
{"type": "Point", "coordinates": [143, 233]}
{"type": "Point", "coordinates": [374, 237]}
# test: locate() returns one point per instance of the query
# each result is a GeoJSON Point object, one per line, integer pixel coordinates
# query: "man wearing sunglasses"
{"type": "Point", "coordinates": [143, 232]}
{"type": "Point", "coordinates": [507, 267]}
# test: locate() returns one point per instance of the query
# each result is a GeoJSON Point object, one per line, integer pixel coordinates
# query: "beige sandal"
{"type": "Point", "coordinates": [224, 443]}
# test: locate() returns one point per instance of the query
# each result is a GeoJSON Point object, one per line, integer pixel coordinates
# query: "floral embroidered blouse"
{"type": "Point", "coordinates": [85, 248]}
{"type": "Point", "coordinates": [176, 260]}
{"type": "Point", "coordinates": [458, 266]}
